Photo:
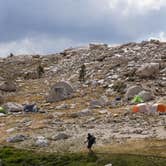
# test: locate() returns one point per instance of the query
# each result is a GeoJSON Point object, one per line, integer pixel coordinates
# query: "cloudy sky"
{"type": "Point", "coordinates": [49, 26]}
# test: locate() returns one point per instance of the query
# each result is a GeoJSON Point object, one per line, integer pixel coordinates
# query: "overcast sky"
{"type": "Point", "coordinates": [49, 26]}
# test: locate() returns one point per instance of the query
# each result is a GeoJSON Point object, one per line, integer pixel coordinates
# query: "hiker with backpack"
{"type": "Point", "coordinates": [90, 140]}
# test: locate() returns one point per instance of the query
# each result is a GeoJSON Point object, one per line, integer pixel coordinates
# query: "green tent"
{"type": "Point", "coordinates": [2, 110]}
{"type": "Point", "coordinates": [137, 99]}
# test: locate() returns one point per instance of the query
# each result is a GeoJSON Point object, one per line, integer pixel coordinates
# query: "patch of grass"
{"type": "Point", "coordinates": [15, 157]}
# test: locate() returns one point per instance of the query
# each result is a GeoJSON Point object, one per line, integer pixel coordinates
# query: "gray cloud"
{"type": "Point", "coordinates": [76, 21]}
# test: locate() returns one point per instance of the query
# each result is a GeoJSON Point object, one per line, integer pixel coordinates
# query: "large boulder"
{"type": "Point", "coordinates": [132, 91]}
{"type": "Point", "coordinates": [12, 107]}
{"type": "Point", "coordinates": [60, 91]}
{"type": "Point", "coordinates": [148, 70]}
{"type": "Point", "coordinates": [16, 138]}
{"type": "Point", "coordinates": [8, 86]}
{"type": "Point", "coordinates": [146, 96]}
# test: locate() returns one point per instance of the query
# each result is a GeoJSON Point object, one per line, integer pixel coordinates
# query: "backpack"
{"type": "Point", "coordinates": [93, 139]}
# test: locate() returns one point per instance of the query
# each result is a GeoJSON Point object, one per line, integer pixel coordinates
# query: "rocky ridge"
{"type": "Point", "coordinates": [101, 105]}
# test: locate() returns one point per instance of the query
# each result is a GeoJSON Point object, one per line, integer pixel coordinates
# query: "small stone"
{"type": "Point", "coordinates": [145, 133]}
{"type": "Point", "coordinates": [108, 164]}
{"type": "Point", "coordinates": [115, 115]}
{"type": "Point", "coordinates": [138, 131]}
{"type": "Point", "coordinates": [16, 138]}
{"type": "Point", "coordinates": [103, 111]}
{"type": "Point", "coordinates": [10, 130]}
{"type": "Point", "coordinates": [95, 104]}
{"type": "Point", "coordinates": [62, 107]}
{"type": "Point", "coordinates": [85, 112]}
{"type": "Point", "coordinates": [60, 136]}
{"type": "Point", "coordinates": [41, 141]}
{"type": "Point", "coordinates": [73, 106]}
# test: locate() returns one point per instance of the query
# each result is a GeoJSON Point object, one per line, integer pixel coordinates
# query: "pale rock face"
{"type": "Point", "coordinates": [82, 113]}
{"type": "Point", "coordinates": [148, 70]}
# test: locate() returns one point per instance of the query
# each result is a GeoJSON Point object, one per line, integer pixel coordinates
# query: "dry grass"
{"type": "Point", "coordinates": [137, 147]}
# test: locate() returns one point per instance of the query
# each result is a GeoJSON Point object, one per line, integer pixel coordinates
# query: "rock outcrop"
{"type": "Point", "coordinates": [60, 91]}
{"type": "Point", "coordinates": [132, 91]}
{"type": "Point", "coordinates": [148, 70]}
{"type": "Point", "coordinates": [8, 86]}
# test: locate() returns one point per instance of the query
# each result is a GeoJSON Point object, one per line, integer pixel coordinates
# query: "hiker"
{"type": "Point", "coordinates": [40, 71]}
{"type": "Point", "coordinates": [90, 140]}
{"type": "Point", "coordinates": [82, 73]}
{"type": "Point", "coordinates": [11, 55]}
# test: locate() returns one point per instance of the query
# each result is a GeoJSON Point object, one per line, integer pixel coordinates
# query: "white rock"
{"type": "Point", "coordinates": [41, 141]}
{"type": "Point", "coordinates": [2, 114]}
{"type": "Point", "coordinates": [103, 111]}
{"type": "Point", "coordinates": [108, 164]}
{"type": "Point", "coordinates": [11, 130]}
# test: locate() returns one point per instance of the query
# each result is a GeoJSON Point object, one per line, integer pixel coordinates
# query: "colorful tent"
{"type": "Point", "coordinates": [140, 108]}
{"type": "Point", "coordinates": [2, 110]}
{"type": "Point", "coordinates": [143, 107]}
{"type": "Point", "coordinates": [159, 107]}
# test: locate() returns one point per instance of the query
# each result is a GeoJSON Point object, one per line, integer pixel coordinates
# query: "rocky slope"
{"type": "Point", "coordinates": [100, 105]}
